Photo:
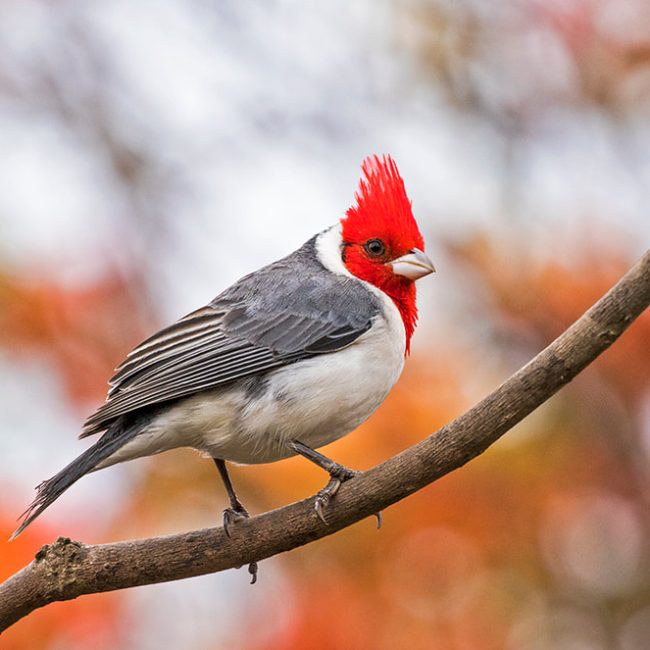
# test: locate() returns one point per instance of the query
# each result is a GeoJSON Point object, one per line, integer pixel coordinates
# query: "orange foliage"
{"type": "Point", "coordinates": [541, 300]}
{"type": "Point", "coordinates": [83, 331]}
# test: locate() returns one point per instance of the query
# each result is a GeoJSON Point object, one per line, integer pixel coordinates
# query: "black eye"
{"type": "Point", "coordinates": [375, 247]}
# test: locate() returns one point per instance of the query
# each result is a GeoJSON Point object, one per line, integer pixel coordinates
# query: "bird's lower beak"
{"type": "Point", "coordinates": [413, 265]}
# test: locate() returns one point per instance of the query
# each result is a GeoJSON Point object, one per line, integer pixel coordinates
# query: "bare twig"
{"type": "Point", "coordinates": [68, 569]}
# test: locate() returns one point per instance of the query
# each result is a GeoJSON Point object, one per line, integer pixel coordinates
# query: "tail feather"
{"type": "Point", "coordinates": [51, 489]}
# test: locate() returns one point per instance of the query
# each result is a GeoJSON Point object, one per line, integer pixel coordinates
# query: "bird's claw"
{"type": "Point", "coordinates": [232, 516]}
{"type": "Point", "coordinates": [338, 475]}
{"type": "Point", "coordinates": [324, 496]}
{"type": "Point", "coordinates": [342, 474]}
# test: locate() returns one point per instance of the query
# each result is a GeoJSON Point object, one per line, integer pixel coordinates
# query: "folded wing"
{"type": "Point", "coordinates": [216, 345]}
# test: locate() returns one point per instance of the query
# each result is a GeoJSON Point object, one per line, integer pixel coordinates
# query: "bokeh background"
{"type": "Point", "coordinates": [152, 152]}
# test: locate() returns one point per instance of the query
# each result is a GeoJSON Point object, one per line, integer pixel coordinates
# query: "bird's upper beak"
{"type": "Point", "coordinates": [415, 264]}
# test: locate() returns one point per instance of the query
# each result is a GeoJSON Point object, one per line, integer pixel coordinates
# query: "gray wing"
{"type": "Point", "coordinates": [236, 336]}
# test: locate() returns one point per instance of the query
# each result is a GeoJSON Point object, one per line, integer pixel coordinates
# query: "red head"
{"type": "Point", "coordinates": [382, 243]}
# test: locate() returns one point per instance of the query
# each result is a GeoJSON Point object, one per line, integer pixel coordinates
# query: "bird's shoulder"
{"type": "Point", "coordinates": [301, 285]}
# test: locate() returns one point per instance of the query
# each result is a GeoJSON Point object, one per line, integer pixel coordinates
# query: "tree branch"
{"type": "Point", "coordinates": [68, 569]}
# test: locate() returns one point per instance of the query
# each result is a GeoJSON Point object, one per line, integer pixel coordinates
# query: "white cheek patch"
{"type": "Point", "coordinates": [329, 249]}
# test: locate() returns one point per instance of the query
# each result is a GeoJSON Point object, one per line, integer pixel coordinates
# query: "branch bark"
{"type": "Point", "coordinates": [68, 569]}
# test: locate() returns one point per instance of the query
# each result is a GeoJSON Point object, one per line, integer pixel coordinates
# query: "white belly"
{"type": "Point", "coordinates": [316, 401]}
{"type": "Point", "coordinates": [319, 400]}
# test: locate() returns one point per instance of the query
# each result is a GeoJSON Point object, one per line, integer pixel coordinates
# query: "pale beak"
{"type": "Point", "coordinates": [413, 265]}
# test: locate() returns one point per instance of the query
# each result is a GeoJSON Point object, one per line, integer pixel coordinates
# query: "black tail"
{"type": "Point", "coordinates": [49, 491]}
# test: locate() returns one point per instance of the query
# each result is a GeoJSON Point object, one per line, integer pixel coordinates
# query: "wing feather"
{"type": "Point", "coordinates": [214, 346]}
{"type": "Point", "coordinates": [188, 334]}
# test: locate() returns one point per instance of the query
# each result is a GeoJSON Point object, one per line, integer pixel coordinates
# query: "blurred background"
{"type": "Point", "coordinates": [153, 152]}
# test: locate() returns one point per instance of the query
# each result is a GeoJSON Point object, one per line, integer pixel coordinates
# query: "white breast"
{"type": "Point", "coordinates": [321, 399]}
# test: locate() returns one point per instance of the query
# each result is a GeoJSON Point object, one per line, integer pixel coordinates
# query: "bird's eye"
{"type": "Point", "coordinates": [375, 247]}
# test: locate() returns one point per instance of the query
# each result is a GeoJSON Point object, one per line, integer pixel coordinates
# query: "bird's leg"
{"type": "Point", "coordinates": [338, 474]}
{"type": "Point", "coordinates": [236, 512]}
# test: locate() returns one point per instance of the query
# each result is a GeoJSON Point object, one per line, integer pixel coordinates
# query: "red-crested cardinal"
{"type": "Point", "coordinates": [288, 359]}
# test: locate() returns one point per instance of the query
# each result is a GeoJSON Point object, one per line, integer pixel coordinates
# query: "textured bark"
{"type": "Point", "coordinates": [68, 569]}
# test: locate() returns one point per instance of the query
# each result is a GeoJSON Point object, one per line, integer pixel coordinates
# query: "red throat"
{"type": "Point", "coordinates": [404, 298]}
{"type": "Point", "coordinates": [383, 212]}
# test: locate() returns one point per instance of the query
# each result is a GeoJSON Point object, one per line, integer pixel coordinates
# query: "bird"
{"type": "Point", "coordinates": [288, 359]}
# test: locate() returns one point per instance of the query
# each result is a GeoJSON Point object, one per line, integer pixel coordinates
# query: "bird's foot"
{"type": "Point", "coordinates": [338, 475]}
{"type": "Point", "coordinates": [232, 516]}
